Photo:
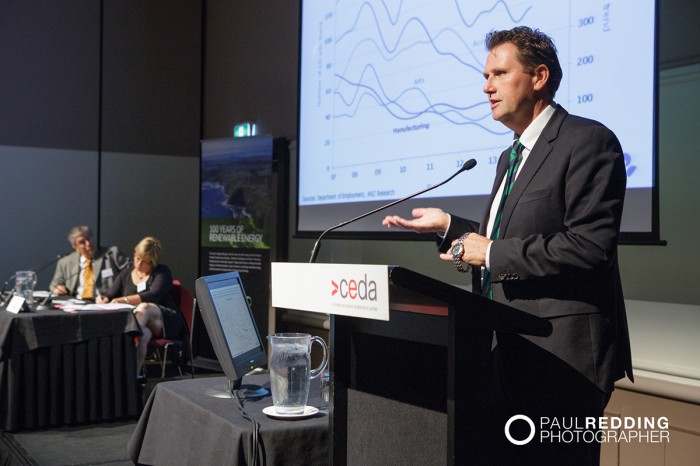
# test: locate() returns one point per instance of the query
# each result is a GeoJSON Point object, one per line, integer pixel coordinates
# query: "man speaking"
{"type": "Point", "coordinates": [547, 245]}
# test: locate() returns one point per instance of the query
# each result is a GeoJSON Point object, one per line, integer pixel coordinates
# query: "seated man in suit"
{"type": "Point", "coordinates": [88, 271]}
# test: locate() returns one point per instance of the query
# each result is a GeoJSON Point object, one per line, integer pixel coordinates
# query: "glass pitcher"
{"type": "Point", "coordinates": [290, 370]}
{"type": "Point", "coordinates": [25, 281]}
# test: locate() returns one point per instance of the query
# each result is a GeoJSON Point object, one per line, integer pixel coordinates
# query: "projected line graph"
{"type": "Point", "coordinates": [483, 12]}
{"type": "Point", "coordinates": [394, 67]}
{"type": "Point", "coordinates": [395, 108]}
{"type": "Point", "coordinates": [391, 91]}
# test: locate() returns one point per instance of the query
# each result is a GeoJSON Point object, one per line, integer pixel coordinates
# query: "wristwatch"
{"type": "Point", "coordinates": [457, 251]}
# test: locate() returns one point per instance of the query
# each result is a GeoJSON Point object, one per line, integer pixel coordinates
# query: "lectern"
{"type": "Point", "coordinates": [413, 389]}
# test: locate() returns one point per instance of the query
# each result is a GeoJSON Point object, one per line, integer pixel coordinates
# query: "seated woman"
{"type": "Point", "coordinates": [147, 285]}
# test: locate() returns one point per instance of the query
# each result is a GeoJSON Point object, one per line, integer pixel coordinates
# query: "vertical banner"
{"type": "Point", "coordinates": [237, 221]}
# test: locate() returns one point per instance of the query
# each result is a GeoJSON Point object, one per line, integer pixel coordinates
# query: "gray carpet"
{"type": "Point", "coordinates": [98, 444]}
{"type": "Point", "coordinates": [93, 444]}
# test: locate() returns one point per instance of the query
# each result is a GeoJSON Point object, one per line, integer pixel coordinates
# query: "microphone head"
{"type": "Point", "coordinates": [468, 165]}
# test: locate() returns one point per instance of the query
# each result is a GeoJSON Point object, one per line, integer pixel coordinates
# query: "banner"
{"type": "Point", "coordinates": [237, 221]}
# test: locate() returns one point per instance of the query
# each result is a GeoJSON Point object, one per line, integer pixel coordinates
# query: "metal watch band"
{"type": "Point", "coordinates": [458, 260]}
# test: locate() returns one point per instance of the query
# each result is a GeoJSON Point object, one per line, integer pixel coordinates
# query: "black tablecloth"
{"type": "Point", "coordinates": [59, 368]}
{"type": "Point", "coordinates": [181, 424]}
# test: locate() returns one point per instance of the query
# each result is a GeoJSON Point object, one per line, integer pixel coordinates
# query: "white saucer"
{"type": "Point", "coordinates": [309, 411]}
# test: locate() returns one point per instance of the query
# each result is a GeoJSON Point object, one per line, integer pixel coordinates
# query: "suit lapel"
{"type": "Point", "coordinates": [539, 153]}
{"type": "Point", "coordinates": [73, 273]}
{"type": "Point", "coordinates": [501, 169]}
{"type": "Point", "coordinates": [97, 265]}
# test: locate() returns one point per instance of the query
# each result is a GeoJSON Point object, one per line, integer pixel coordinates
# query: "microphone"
{"type": "Point", "coordinates": [46, 264]}
{"type": "Point", "coordinates": [44, 304]}
{"type": "Point", "coordinates": [468, 165]}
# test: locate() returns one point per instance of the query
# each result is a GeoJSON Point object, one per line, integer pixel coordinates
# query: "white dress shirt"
{"type": "Point", "coordinates": [528, 140]}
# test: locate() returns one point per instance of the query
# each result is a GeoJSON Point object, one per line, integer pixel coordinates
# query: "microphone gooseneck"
{"type": "Point", "coordinates": [468, 165]}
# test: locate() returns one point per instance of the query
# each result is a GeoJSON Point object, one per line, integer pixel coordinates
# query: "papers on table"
{"type": "Point", "coordinates": [75, 305]}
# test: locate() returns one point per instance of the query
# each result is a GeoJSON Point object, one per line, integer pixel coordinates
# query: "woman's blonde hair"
{"type": "Point", "coordinates": [149, 249]}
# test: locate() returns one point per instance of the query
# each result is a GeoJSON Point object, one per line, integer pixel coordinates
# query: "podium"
{"type": "Point", "coordinates": [413, 389]}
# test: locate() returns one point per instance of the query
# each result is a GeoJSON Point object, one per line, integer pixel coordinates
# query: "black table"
{"type": "Point", "coordinates": [182, 424]}
{"type": "Point", "coordinates": [59, 368]}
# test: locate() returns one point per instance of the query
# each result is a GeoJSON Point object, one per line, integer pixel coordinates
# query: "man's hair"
{"type": "Point", "coordinates": [534, 48]}
{"type": "Point", "coordinates": [80, 230]}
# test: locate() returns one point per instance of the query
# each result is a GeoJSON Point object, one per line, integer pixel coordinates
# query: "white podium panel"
{"type": "Point", "coordinates": [354, 290]}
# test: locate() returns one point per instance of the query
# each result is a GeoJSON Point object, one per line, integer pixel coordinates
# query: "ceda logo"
{"type": "Point", "coordinates": [363, 289]}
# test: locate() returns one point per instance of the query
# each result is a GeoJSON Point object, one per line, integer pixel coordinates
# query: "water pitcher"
{"type": "Point", "coordinates": [290, 370]}
{"type": "Point", "coordinates": [25, 280]}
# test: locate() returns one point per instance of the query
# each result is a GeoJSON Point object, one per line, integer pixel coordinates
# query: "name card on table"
{"type": "Point", "coordinates": [16, 304]}
{"type": "Point", "coordinates": [353, 290]}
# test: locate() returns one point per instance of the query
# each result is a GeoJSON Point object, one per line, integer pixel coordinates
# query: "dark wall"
{"type": "Point", "coordinates": [151, 125]}
{"type": "Point", "coordinates": [151, 81]}
{"type": "Point", "coordinates": [50, 79]}
{"type": "Point", "coordinates": [251, 59]}
{"type": "Point", "coordinates": [680, 41]}
{"type": "Point", "coordinates": [131, 69]}
{"type": "Point", "coordinates": [100, 110]}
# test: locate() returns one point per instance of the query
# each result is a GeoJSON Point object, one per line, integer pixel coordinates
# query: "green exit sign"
{"type": "Point", "coordinates": [244, 130]}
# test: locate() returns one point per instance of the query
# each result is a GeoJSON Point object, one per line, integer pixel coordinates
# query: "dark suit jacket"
{"type": "Point", "coordinates": [557, 256]}
{"type": "Point", "coordinates": [68, 269]}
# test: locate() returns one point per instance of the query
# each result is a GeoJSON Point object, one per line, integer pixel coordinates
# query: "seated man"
{"type": "Point", "coordinates": [89, 271]}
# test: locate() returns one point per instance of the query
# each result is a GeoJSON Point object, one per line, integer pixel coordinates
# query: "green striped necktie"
{"type": "Point", "coordinates": [516, 156]}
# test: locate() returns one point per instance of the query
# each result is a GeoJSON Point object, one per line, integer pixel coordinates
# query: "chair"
{"type": "Point", "coordinates": [160, 347]}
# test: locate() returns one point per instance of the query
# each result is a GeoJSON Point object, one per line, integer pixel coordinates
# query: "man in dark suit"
{"type": "Point", "coordinates": [88, 271]}
{"type": "Point", "coordinates": [548, 247]}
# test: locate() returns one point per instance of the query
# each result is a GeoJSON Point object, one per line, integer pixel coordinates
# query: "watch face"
{"type": "Point", "coordinates": [457, 250]}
